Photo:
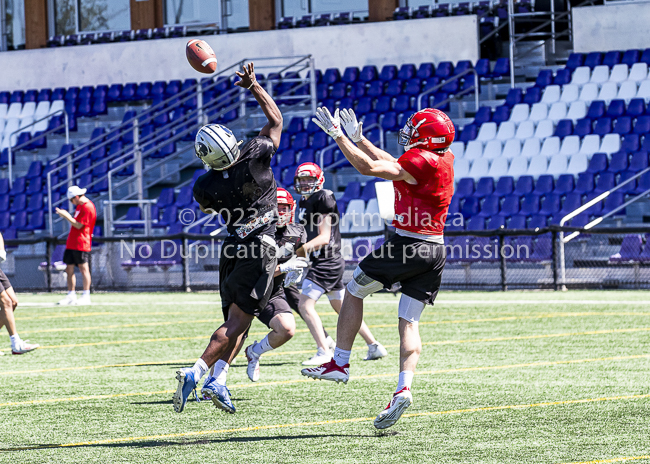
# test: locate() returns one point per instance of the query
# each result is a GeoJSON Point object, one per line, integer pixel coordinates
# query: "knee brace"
{"type": "Point", "coordinates": [312, 290]}
{"type": "Point", "coordinates": [410, 309]}
{"type": "Point", "coordinates": [336, 294]}
{"type": "Point", "coordinates": [361, 285]}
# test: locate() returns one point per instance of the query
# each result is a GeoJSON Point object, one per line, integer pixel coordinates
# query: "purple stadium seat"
{"type": "Point", "coordinates": [630, 249]}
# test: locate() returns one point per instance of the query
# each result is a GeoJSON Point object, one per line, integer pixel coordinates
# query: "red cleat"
{"type": "Point", "coordinates": [329, 371]}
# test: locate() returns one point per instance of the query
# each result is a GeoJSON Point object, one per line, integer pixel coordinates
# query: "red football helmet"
{"type": "Point", "coordinates": [285, 198]}
{"type": "Point", "coordinates": [429, 129]}
{"type": "Point", "coordinates": [308, 170]}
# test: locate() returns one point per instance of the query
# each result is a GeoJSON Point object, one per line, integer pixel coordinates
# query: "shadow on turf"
{"type": "Point", "coordinates": [157, 443]}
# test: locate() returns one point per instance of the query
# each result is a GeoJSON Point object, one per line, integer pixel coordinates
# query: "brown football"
{"type": "Point", "coordinates": [201, 56]}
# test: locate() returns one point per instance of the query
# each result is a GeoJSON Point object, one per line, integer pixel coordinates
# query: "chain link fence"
{"type": "Point", "coordinates": [616, 258]}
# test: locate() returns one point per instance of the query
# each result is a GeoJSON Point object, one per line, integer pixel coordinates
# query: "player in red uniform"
{"type": "Point", "coordinates": [423, 179]}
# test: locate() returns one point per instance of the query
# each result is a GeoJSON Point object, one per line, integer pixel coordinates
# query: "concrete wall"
{"type": "Point", "coordinates": [611, 27]}
{"type": "Point", "coordinates": [393, 42]}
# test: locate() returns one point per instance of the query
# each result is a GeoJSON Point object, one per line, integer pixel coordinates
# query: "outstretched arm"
{"type": "Point", "coordinates": [366, 165]}
{"type": "Point", "coordinates": [354, 129]}
{"type": "Point", "coordinates": [273, 128]}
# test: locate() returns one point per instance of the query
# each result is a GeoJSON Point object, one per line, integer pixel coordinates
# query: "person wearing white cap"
{"type": "Point", "coordinates": [78, 245]}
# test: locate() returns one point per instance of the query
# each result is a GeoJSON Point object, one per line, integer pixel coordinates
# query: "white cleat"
{"type": "Point", "coordinates": [389, 416]}
{"type": "Point", "coordinates": [1, 353]}
{"type": "Point", "coordinates": [68, 301]}
{"type": "Point", "coordinates": [23, 347]}
{"type": "Point", "coordinates": [375, 351]}
{"type": "Point", "coordinates": [83, 301]}
{"type": "Point", "coordinates": [331, 343]}
{"type": "Point", "coordinates": [321, 357]}
{"type": "Point", "coordinates": [253, 369]}
{"type": "Point", "coordinates": [328, 371]}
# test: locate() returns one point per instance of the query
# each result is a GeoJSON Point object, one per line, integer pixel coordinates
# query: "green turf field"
{"type": "Point", "coordinates": [518, 377]}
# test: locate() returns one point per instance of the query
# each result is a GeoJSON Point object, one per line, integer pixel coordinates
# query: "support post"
{"type": "Point", "coordinates": [48, 260]}
{"type": "Point", "coordinates": [186, 266]}
{"type": "Point", "coordinates": [137, 152]}
{"type": "Point", "coordinates": [502, 259]}
{"type": "Point", "coordinates": [554, 234]}
{"type": "Point", "coordinates": [511, 48]}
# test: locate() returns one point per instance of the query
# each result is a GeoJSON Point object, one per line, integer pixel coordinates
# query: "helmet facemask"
{"type": "Point", "coordinates": [311, 188]}
{"type": "Point", "coordinates": [216, 146]}
{"type": "Point", "coordinates": [285, 214]}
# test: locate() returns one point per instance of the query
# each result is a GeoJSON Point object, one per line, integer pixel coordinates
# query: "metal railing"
{"type": "Point", "coordinates": [563, 240]}
{"type": "Point", "coordinates": [10, 149]}
{"type": "Point", "coordinates": [475, 88]}
{"type": "Point", "coordinates": [233, 98]}
{"type": "Point", "coordinates": [110, 222]}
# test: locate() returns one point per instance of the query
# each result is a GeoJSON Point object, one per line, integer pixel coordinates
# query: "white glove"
{"type": "Point", "coordinates": [327, 122]}
{"type": "Point", "coordinates": [352, 127]}
{"type": "Point", "coordinates": [294, 264]}
{"type": "Point", "coordinates": [3, 255]}
{"type": "Point", "coordinates": [293, 277]}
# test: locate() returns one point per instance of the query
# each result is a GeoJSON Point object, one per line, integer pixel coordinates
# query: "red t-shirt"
{"type": "Point", "coordinates": [422, 208]}
{"type": "Point", "coordinates": [80, 239]}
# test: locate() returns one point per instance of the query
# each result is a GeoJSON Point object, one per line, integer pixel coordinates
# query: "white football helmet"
{"type": "Point", "coordinates": [216, 146]}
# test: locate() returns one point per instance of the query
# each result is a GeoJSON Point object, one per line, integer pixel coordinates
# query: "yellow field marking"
{"type": "Point", "coordinates": [359, 377]}
{"type": "Point", "coordinates": [330, 422]}
{"type": "Point", "coordinates": [622, 459]}
{"type": "Point", "coordinates": [121, 326]}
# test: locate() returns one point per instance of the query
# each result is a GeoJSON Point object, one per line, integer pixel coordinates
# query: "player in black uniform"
{"type": "Point", "coordinates": [319, 214]}
{"type": "Point", "coordinates": [240, 186]}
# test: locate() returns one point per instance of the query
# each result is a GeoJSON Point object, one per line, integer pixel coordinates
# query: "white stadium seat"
{"type": "Point", "coordinates": [42, 110]}
{"type": "Point", "coordinates": [461, 168]}
{"type": "Point", "coordinates": [525, 130]}
{"type": "Point", "coordinates": [550, 147]}
{"type": "Point", "coordinates": [557, 111]}
{"type": "Point", "coordinates": [544, 129]}
{"type": "Point", "coordinates": [498, 168]}
{"type": "Point", "coordinates": [600, 74]}
{"type": "Point", "coordinates": [531, 148]}
{"type": "Point", "coordinates": [492, 149]}
{"type": "Point", "coordinates": [644, 91]}
{"type": "Point", "coordinates": [2, 127]}
{"type": "Point", "coordinates": [518, 167]}
{"type": "Point", "coordinates": [375, 223]}
{"type": "Point", "coordinates": [519, 113]}
{"type": "Point", "coordinates": [627, 91]}
{"type": "Point", "coordinates": [537, 166]}
{"type": "Point", "coordinates": [14, 110]}
{"type": "Point", "coordinates": [570, 145]}
{"type": "Point", "coordinates": [487, 131]}
{"type": "Point", "coordinates": [479, 168]}
{"type": "Point", "coordinates": [577, 110]}
{"type": "Point", "coordinates": [473, 150]}
{"type": "Point", "coordinates": [551, 94]}
{"type": "Point", "coordinates": [11, 126]}
{"type": "Point", "coordinates": [28, 110]}
{"type": "Point", "coordinates": [511, 149]}
{"type": "Point", "coordinates": [4, 107]}
{"type": "Point", "coordinates": [346, 248]}
{"type": "Point", "coordinates": [611, 143]}
{"type": "Point", "coordinates": [590, 144]}
{"type": "Point", "coordinates": [619, 73]}
{"type": "Point", "coordinates": [589, 93]}
{"type": "Point", "coordinates": [506, 130]}
{"type": "Point", "coordinates": [608, 92]}
{"type": "Point", "coordinates": [577, 164]}
{"type": "Point", "coordinates": [557, 165]}
{"type": "Point", "coordinates": [638, 72]}
{"type": "Point", "coordinates": [26, 125]}
{"type": "Point", "coordinates": [353, 220]}
{"type": "Point", "coordinates": [570, 92]}
{"type": "Point", "coordinates": [581, 75]}
{"type": "Point", "coordinates": [56, 106]}
{"type": "Point", "coordinates": [458, 149]}
{"type": "Point", "coordinates": [538, 112]}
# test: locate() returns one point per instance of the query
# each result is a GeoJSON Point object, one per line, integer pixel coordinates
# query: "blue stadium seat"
{"type": "Point", "coordinates": [44, 95]}
{"type": "Point", "coordinates": [613, 201]}
{"type": "Point", "coordinates": [606, 181]}
{"type": "Point", "coordinates": [20, 220]}
{"type": "Point", "coordinates": [482, 68]}
{"type": "Point", "coordinates": [295, 126]}
{"type": "Point", "coordinates": [524, 186]}
{"type": "Point", "coordinates": [300, 141]}
{"type": "Point", "coordinates": [425, 71]}
{"type": "Point", "coordinates": [638, 161]}
{"type": "Point", "coordinates": [475, 223]}
{"type": "Point", "coordinates": [470, 207]}
{"type": "Point", "coordinates": [17, 96]}
{"type": "Point", "coordinates": [389, 122]}
{"type": "Point", "coordinates": [514, 97]}
{"type": "Point", "coordinates": [394, 87]}
{"type": "Point", "coordinates": [129, 92]}
{"type": "Point", "coordinates": [35, 186]}
{"type": "Point", "coordinates": [564, 127]}
{"type": "Point", "coordinates": [623, 125]}
{"type": "Point", "coordinates": [631, 143]}
{"type": "Point", "coordinates": [619, 162]}
{"type": "Point", "coordinates": [368, 73]}
{"type": "Point", "coordinates": [468, 134]}
{"type": "Point", "coordinates": [642, 125]}
{"type": "Point", "coordinates": [465, 187]}
{"type": "Point", "coordinates": [533, 95]}
{"type": "Point", "coordinates": [350, 74]}
{"type": "Point", "coordinates": [5, 222]}
{"type": "Point", "coordinates": [35, 170]}
{"type": "Point", "coordinates": [550, 204]}
{"type": "Point", "coordinates": [583, 127]}
{"type": "Point", "coordinates": [166, 198]}
{"type": "Point", "coordinates": [319, 140]}
{"type": "Point", "coordinates": [565, 184]}
{"type": "Point", "coordinates": [510, 205]}
{"type": "Point", "coordinates": [530, 204]}
{"type": "Point", "coordinates": [445, 70]}
{"type": "Point", "coordinates": [598, 163]}
{"type": "Point", "coordinates": [158, 89]}
{"type": "Point", "coordinates": [143, 91]}
{"type": "Point", "coordinates": [383, 104]}
{"type": "Point", "coordinates": [593, 59]}
{"type": "Point", "coordinates": [402, 103]}
{"type": "Point", "coordinates": [18, 187]}
{"type": "Point", "coordinates": [501, 114]}
{"type": "Point", "coordinates": [562, 77]}
{"type": "Point", "coordinates": [484, 187]}
{"type": "Point", "coordinates": [596, 109]}
{"type": "Point", "coordinates": [388, 73]}
{"type": "Point", "coordinates": [538, 221]}
{"type": "Point", "coordinates": [496, 222]}
{"type": "Point", "coordinates": [406, 71]}
{"type": "Point", "coordinates": [505, 186]}
{"type": "Point", "coordinates": [585, 183]}
{"type": "Point", "coordinates": [544, 185]}
{"type": "Point", "coordinates": [338, 90]}
{"type": "Point", "coordinates": [630, 57]}
{"type": "Point", "coordinates": [612, 58]}
{"type": "Point", "coordinates": [173, 88]}
{"type": "Point", "coordinates": [483, 115]}
{"type": "Point", "coordinates": [331, 76]}
{"type": "Point", "coordinates": [544, 78]}
{"type": "Point", "coordinates": [603, 126]}
{"type": "Point", "coordinates": [19, 203]}
{"type": "Point", "coordinates": [636, 107]}
{"type": "Point", "coordinates": [501, 68]}
{"type": "Point", "coordinates": [490, 206]}
{"type": "Point", "coordinates": [616, 108]}
{"type": "Point", "coordinates": [35, 203]}
{"type": "Point", "coordinates": [518, 221]}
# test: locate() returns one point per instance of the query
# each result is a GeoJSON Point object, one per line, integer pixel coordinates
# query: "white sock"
{"type": "Point", "coordinates": [86, 293]}
{"type": "Point", "coordinates": [341, 357]}
{"type": "Point", "coordinates": [405, 380]}
{"type": "Point", "coordinates": [200, 367]}
{"type": "Point", "coordinates": [15, 340]}
{"type": "Point", "coordinates": [72, 293]}
{"type": "Point", "coordinates": [221, 371]}
{"type": "Point", "coordinates": [262, 347]}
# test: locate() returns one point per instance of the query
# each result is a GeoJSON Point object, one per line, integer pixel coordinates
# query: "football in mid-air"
{"type": "Point", "coordinates": [201, 56]}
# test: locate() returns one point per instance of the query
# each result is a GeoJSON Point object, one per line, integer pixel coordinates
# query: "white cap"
{"type": "Point", "coordinates": [74, 190]}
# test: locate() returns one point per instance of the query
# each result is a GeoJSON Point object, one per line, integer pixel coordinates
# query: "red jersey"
{"type": "Point", "coordinates": [422, 208]}
{"type": "Point", "coordinates": [80, 239]}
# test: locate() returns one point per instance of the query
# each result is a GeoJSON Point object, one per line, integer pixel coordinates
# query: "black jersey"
{"type": "Point", "coordinates": [288, 239]}
{"type": "Point", "coordinates": [245, 193]}
{"type": "Point", "coordinates": [312, 211]}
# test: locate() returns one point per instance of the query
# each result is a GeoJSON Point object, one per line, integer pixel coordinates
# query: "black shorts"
{"type": "Point", "coordinates": [276, 305]}
{"type": "Point", "coordinates": [246, 275]}
{"type": "Point", "coordinates": [292, 295]}
{"type": "Point", "coordinates": [4, 281]}
{"type": "Point", "coordinates": [75, 257]}
{"type": "Point", "coordinates": [417, 265]}
{"type": "Point", "coordinates": [327, 273]}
